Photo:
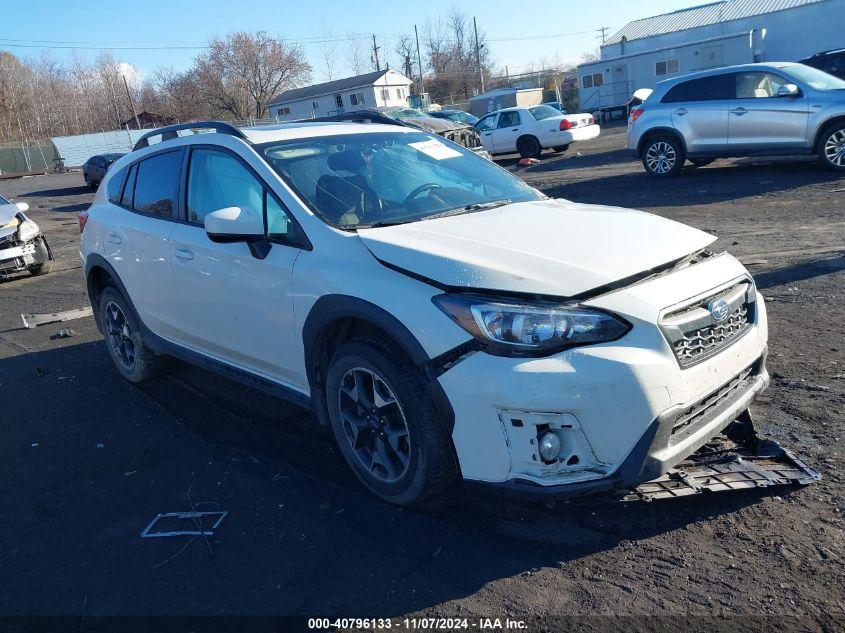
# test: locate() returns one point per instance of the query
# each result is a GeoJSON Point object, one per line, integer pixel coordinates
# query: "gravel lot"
{"type": "Point", "coordinates": [87, 460]}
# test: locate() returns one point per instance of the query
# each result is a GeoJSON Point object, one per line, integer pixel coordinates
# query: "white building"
{"type": "Point", "coordinates": [722, 33]}
{"type": "Point", "coordinates": [383, 88]}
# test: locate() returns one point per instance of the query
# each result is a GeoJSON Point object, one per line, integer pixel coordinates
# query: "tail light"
{"type": "Point", "coordinates": [81, 219]}
{"type": "Point", "coordinates": [566, 124]}
{"type": "Point", "coordinates": [635, 114]}
{"type": "Point", "coordinates": [590, 120]}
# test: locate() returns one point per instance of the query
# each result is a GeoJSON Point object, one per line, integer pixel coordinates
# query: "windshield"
{"type": "Point", "coordinates": [814, 77]}
{"type": "Point", "coordinates": [541, 112]}
{"type": "Point", "coordinates": [381, 178]}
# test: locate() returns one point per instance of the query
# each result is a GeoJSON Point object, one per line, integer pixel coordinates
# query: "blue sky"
{"type": "Point", "coordinates": [519, 33]}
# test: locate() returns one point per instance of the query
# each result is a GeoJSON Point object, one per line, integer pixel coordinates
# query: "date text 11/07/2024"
{"type": "Point", "coordinates": [416, 624]}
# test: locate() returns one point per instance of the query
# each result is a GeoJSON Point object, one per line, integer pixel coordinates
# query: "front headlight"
{"type": "Point", "coordinates": [512, 327]}
{"type": "Point", "coordinates": [27, 230]}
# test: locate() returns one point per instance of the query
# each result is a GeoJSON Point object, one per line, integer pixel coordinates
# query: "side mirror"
{"type": "Point", "coordinates": [23, 207]}
{"type": "Point", "coordinates": [788, 90]}
{"type": "Point", "coordinates": [238, 224]}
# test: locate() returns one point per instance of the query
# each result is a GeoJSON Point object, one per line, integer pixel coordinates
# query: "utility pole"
{"type": "Point", "coordinates": [419, 60]}
{"type": "Point", "coordinates": [603, 30]}
{"type": "Point", "coordinates": [478, 54]}
{"type": "Point", "coordinates": [131, 103]}
{"type": "Point", "coordinates": [375, 53]}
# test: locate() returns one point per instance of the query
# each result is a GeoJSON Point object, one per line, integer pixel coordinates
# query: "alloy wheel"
{"type": "Point", "coordinates": [834, 148]}
{"type": "Point", "coordinates": [661, 157]}
{"type": "Point", "coordinates": [374, 424]}
{"type": "Point", "coordinates": [120, 335]}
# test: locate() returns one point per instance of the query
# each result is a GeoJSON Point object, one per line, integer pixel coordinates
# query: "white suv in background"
{"type": "Point", "coordinates": [446, 319]}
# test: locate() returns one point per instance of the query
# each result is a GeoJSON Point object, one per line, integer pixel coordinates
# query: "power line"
{"type": "Point", "coordinates": [89, 45]}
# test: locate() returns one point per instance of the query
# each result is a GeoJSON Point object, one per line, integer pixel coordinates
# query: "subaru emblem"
{"type": "Point", "coordinates": [718, 309]}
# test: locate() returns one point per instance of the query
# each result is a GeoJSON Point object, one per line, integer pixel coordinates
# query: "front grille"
{"type": "Point", "coordinates": [694, 332]}
{"type": "Point", "coordinates": [704, 341]}
{"type": "Point", "coordinates": [689, 416]}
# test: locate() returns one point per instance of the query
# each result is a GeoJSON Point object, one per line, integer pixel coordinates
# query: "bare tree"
{"type": "Point", "coordinates": [450, 56]}
{"type": "Point", "coordinates": [405, 51]}
{"type": "Point", "coordinates": [328, 51]}
{"type": "Point", "coordinates": [355, 55]}
{"type": "Point", "coordinates": [240, 74]}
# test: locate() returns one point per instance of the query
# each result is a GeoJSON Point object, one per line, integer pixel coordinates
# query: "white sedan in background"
{"type": "Point", "coordinates": [531, 130]}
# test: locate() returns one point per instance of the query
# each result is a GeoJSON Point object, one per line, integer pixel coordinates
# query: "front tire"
{"type": "Point", "coordinates": [386, 424]}
{"type": "Point", "coordinates": [663, 156]}
{"type": "Point", "coordinates": [89, 182]}
{"type": "Point", "coordinates": [560, 148]}
{"type": "Point", "coordinates": [529, 147]}
{"type": "Point", "coordinates": [134, 360]}
{"type": "Point", "coordinates": [832, 147]}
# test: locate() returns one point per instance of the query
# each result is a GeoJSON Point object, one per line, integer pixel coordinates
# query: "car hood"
{"type": "Point", "coordinates": [550, 247]}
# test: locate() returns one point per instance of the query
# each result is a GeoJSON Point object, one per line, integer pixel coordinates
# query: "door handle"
{"type": "Point", "coordinates": [681, 111]}
{"type": "Point", "coordinates": [739, 111]}
{"type": "Point", "coordinates": [114, 238]}
{"type": "Point", "coordinates": [183, 253]}
{"type": "Point", "coordinates": [516, 129]}
{"type": "Point", "coordinates": [487, 133]}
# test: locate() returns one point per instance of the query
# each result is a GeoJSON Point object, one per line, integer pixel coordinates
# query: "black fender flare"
{"type": "Point", "coordinates": [98, 261]}
{"type": "Point", "coordinates": [329, 309]}
{"type": "Point", "coordinates": [660, 130]}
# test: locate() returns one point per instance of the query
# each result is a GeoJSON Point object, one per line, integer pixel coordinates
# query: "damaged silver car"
{"type": "Point", "coordinates": [22, 244]}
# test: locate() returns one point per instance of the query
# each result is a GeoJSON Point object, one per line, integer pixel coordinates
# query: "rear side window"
{"type": "Point", "coordinates": [715, 88]}
{"type": "Point", "coordinates": [114, 186]}
{"type": "Point", "coordinates": [129, 189]}
{"type": "Point", "coordinates": [157, 184]}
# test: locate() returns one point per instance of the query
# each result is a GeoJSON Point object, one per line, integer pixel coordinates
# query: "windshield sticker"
{"type": "Point", "coordinates": [435, 149]}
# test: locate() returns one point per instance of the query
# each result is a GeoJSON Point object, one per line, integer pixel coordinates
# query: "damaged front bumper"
{"type": "Point", "coordinates": [736, 459]}
{"type": "Point", "coordinates": [17, 256]}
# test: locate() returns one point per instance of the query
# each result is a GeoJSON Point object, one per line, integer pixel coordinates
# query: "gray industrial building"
{"type": "Point", "coordinates": [723, 33]}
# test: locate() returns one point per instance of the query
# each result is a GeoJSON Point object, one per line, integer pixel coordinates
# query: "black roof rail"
{"type": "Point", "coordinates": [357, 116]}
{"type": "Point", "coordinates": [170, 131]}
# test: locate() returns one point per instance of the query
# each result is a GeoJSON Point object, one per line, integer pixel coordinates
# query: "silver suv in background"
{"type": "Point", "coordinates": [754, 109]}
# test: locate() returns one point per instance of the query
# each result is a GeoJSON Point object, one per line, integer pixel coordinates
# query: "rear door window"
{"type": "Point", "coordinates": [715, 88]}
{"type": "Point", "coordinates": [157, 184]}
{"type": "Point", "coordinates": [508, 119]}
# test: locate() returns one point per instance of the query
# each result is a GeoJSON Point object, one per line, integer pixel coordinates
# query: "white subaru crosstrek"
{"type": "Point", "coordinates": [446, 319]}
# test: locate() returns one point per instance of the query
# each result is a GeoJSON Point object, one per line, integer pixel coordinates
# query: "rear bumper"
{"type": "Point", "coordinates": [585, 133]}
{"type": "Point", "coordinates": [659, 449]}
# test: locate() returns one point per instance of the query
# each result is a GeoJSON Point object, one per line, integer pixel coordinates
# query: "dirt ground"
{"type": "Point", "coordinates": [87, 460]}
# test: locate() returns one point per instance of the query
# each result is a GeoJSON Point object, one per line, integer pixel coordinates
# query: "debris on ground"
{"type": "Point", "coordinates": [174, 518]}
{"type": "Point", "coordinates": [527, 162]}
{"type": "Point", "coordinates": [41, 371]}
{"type": "Point", "coordinates": [34, 320]}
{"type": "Point", "coordinates": [65, 333]}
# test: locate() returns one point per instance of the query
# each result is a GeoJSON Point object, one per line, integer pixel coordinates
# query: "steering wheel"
{"type": "Point", "coordinates": [422, 188]}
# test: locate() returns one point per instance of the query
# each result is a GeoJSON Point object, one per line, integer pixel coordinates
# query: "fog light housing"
{"type": "Point", "coordinates": [549, 447]}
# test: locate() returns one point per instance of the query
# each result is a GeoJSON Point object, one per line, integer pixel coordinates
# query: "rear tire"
{"type": "Point", "coordinates": [663, 156]}
{"type": "Point", "coordinates": [134, 360]}
{"type": "Point", "coordinates": [832, 146]}
{"type": "Point", "coordinates": [560, 148]}
{"type": "Point", "coordinates": [529, 147]}
{"type": "Point", "coordinates": [386, 424]}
